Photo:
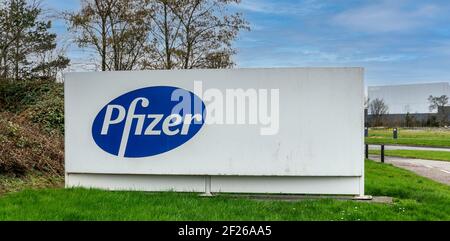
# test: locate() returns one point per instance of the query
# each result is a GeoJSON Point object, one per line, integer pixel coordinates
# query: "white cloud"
{"type": "Point", "coordinates": [387, 16]}
{"type": "Point", "coordinates": [299, 8]}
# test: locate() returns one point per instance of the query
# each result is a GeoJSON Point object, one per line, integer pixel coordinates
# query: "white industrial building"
{"type": "Point", "coordinates": [412, 98]}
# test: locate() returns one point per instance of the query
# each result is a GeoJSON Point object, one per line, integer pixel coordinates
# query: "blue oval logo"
{"type": "Point", "coordinates": [148, 121]}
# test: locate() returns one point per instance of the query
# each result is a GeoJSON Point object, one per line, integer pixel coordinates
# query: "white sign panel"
{"type": "Point", "coordinates": [288, 130]}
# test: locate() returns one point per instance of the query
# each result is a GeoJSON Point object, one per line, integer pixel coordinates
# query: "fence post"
{"type": "Point", "coordinates": [382, 153]}
{"type": "Point", "coordinates": [367, 151]}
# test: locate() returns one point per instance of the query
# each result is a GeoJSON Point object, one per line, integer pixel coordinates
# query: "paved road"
{"type": "Point", "coordinates": [388, 147]}
{"type": "Point", "coordinates": [436, 170]}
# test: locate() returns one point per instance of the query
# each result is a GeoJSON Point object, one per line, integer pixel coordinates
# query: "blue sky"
{"type": "Point", "coordinates": [396, 41]}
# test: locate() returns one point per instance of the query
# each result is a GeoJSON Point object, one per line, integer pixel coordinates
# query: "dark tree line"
{"type": "Point", "coordinates": [378, 111]}
{"type": "Point", "coordinates": [27, 48]}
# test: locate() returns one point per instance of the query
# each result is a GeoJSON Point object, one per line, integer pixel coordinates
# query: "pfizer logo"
{"type": "Point", "coordinates": [148, 121]}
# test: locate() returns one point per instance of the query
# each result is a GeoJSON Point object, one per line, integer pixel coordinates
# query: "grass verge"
{"type": "Point", "coordinates": [415, 198]}
{"type": "Point", "coordinates": [418, 154]}
{"type": "Point", "coordinates": [435, 137]}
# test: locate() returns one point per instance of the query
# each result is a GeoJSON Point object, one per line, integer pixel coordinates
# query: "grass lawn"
{"type": "Point", "coordinates": [416, 198]}
{"type": "Point", "coordinates": [419, 154]}
{"type": "Point", "coordinates": [421, 137]}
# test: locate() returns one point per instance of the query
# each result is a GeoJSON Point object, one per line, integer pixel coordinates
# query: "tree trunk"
{"type": "Point", "coordinates": [166, 36]}
{"type": "Point", "coordinates": [188, 50]}
{"type": "Point", "coordinates": [16, 62]}
{"type": "Point", "coordinates": [6, 67]}
{"type": "Point", "coordinates": [101, 12]}
{"type": "Point", "coordinates": [103, 44]}
{"type": "Point", "coordinates": [3, 66]}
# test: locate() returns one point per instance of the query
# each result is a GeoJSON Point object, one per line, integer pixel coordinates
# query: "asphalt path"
{"type": "Point", "coordinates": [435, 170]}
{"type": "Point", "coordinates": [415, 148]}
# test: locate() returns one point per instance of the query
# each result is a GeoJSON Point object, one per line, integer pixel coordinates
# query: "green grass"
{"type": "Point", "coordinates": [416, 198]}
{"type": "Point", "coordinates": [418, 154]}
{"type": "Point", "coordinates": [424, 137]}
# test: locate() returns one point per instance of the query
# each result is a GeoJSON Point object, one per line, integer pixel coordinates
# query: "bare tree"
{"type": "Point", "coordinates": [207, 30]}
{"type": "Point", "coordinates": [158, 34]}
{"type": "Point", "coordinates": [116, 29]}
{"type": "Point", "coordinates": [439, 103]}
{"type": "Point", "coordinates": [193, 34]}
{"type": "Point", "coordinates": [164, 36]}
{"type": "Point", "coordinates": [378, 109]}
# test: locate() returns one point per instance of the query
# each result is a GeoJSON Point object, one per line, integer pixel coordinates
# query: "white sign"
{"type": "Point", "coordinates": [293, 130]}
